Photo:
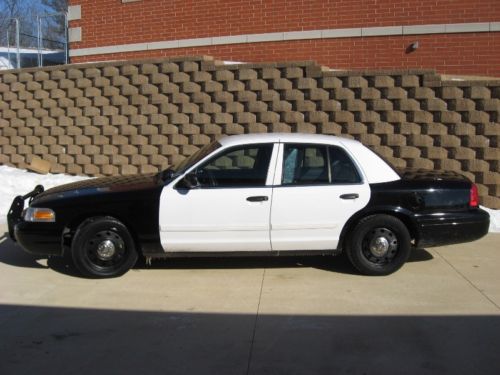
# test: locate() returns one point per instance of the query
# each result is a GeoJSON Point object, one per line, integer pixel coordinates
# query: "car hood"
{"type": "Point", "coordinates": [105, 184]}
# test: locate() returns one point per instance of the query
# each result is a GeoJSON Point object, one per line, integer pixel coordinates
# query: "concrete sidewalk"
{"type": "Point", "coordinates": [439, 314]}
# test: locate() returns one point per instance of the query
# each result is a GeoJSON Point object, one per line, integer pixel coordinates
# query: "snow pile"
{"type": "Point", "coordinates": [19, 182]}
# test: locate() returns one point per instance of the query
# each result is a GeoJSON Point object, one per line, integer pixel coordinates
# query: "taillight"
{"type": "Point", "coordinates": [474, 196]}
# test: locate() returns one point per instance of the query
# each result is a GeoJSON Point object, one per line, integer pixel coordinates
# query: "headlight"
{"type": "Point", "coordinates": [35, 214]}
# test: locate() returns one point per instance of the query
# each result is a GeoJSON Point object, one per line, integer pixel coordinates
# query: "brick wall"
{"type": "Point", "coordinates": [139, 116]}
{"type": "Point", "coordinates": [453, 54]}
{"type": "Point", "coordinates": [109, 23]}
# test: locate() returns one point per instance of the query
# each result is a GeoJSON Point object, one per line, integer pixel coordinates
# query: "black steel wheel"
{"type": "Point", "coordinates": [103, 247]}
{"type": "Point", "coordinates": [379, 245]}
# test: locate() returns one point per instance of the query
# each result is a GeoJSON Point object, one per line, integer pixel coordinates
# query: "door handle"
{"type": "Point", "coordinates": [258, 198]}
{"type": "Point", "coordinates": [349, 196]}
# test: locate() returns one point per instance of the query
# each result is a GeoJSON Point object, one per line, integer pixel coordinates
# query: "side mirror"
{"type": "Point", "coordinates": [189, 181]}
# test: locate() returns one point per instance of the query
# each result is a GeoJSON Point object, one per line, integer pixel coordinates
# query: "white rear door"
{"type": "Point", "coordinates": [317, 189]}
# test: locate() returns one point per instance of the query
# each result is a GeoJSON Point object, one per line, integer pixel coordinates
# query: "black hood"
{"type": "Point", "coordinates": [106, 184]}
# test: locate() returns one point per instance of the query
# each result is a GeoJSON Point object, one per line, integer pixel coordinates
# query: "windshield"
{"type": "Point", "coordinates": [191, 160]}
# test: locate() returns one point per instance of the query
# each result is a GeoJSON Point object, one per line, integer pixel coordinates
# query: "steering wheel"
{"type": "Point", "coordinates": [209, 175]}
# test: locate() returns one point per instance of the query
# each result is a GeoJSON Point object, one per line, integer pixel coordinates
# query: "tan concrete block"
{"type": "Point", "coordinates": [235, 107]}
{"type": "Point", "coordinates": [110, 71]}
{"type": "Point", "coordinates": [281, 106]}
{"type": "Point", "coordinates": [305, 106]}
{"type": "Point", "coordinates": [91, 170]}
{"type": "Point", "coordinates": [74, 112]}
{"type": "Point", "coordinates": [222, 118]}
{"type": "Point", "coordinates": [65, 103]}
{"type": "Point", "coordinates": [82, 159]}
{"type": "Point", "coordinates": [410, 80]}
{"type": "Point", "coordinates": [478, 92]}
{"type": "Point", "coordinates": [128, 170]}
{"type": "Point", "coordinates": [246, 118]}
{"type": "Point", "coordinates": [212, 86]}
{"type": "Point", "coordinates": [119, 100]}
{"type": "Point", "coordinates": [139, 80]}
{"type": "Point", "coordinates": [91, 150]}
{"type": "Point", "coordinates": [189, 66]}
{"type": "Point", "coordinates": [269, 73]}
{"type": "Point", "coordinates": [41, 75]}
{"type": "Point", "coordinates": [74, 169]}
{"type": "Point", "coordinates": [65, 159]}
{"type": "Point", "coordinates": [82, 140]}
{"type": "Point", "coordinates": [258, 85]}
{"type": "Point", "coordinates": [39, 149]}
{"type": "Point", "coordinates": [119, 81]}
{"type": "Point", "coordinates": [256, 128]}
{"type": "Point", "coordinates": [128, 90]}
{"type": "Point", "coordinates": [246, 74]}
{"type": "Point", "coordinates": [148, 69]}
{"type": "Point", "coordinates": [421, 93]}
{"type": "Point", "coordinates": [138, 160]}
{"type": "Point", "coordinates": [199, 139]}
{"type": "Point", "coordinates": [211, 129]}
{"type": "Point", "coordinates": [109, 170]}
{"type": "Point", "coordinates": [118, 160]}
{"type": "Point", "coordinates": [100, 101]}
{"type": "Point", "coordinates": [72, 73]}
{"type": "Point", "coordinates": [476, 117]}
{"type": "Point", "coordinates": [99, 159]}
{"type": "Point", "coordinates": [449, 141]}
{"type": "Point", "coordinates": [40, 131]}
{"type": "Point", "coordinates": [83, 102]}
{"type": "Point", "coordinates": [74, 93]}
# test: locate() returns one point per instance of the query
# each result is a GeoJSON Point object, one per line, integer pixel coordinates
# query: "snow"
{"type": "Point", "coordinates": [18, 182]}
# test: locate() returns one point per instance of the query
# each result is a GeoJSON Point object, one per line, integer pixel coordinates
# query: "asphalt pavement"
{"type": "Point", "coordinates": [440, 314]}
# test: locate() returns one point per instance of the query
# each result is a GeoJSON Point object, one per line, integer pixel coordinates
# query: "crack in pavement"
{"type": "Point", "coordinates": [255, 323]}
{"type": "Point", "coordinates": [469, 281]}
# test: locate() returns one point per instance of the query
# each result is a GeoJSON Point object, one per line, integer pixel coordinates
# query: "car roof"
{"type": "Point", "coordinates": [234, 140]}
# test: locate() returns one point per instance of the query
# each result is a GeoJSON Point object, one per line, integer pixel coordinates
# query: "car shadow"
{"type": "Point", "coordinates": [11, 254]}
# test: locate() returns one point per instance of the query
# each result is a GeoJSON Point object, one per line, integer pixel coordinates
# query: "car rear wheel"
{"type": "Point", "coordinates": [103, 247]}
{"type": "Point", "coordinates": [379, 245]}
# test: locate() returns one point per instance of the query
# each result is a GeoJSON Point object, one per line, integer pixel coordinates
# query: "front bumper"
{"type": "Point", "coordinates": [452, 228]}
{"type": "Point", "coordinates": [36, 238]}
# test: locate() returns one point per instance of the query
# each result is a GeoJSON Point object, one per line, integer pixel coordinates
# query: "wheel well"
{"type": "Point", "coordinates": [70, 230]}
{"type": "Point", "coordinates": [405, 219]}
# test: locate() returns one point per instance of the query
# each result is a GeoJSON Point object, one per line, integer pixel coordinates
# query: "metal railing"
{"type": "Point", "coordinates": [40, 41]}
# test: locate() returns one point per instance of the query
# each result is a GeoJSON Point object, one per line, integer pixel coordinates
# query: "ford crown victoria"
{"type": "Point", "coordinates": [259, 194]}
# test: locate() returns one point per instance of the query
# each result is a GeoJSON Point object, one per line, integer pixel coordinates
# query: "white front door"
{"type": "Point", "coordinates": [319, 190]}
{"type": "Point", "coordinates": [228, 211]}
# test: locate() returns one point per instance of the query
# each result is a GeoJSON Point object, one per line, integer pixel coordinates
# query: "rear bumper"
{"type": "Point", "coordinates": [452, 228]}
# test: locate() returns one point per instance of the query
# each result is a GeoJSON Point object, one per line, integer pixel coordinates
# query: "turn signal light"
{"type": "Point", "coordinates": [474, 196]}
{"type": "Point", "coordinates": [35, 214]}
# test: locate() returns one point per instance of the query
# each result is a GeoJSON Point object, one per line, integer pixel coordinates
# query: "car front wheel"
{"type": "Point", "coordinates": [103, 247]}
{"type": "Point", "coordinates": [379, 245]}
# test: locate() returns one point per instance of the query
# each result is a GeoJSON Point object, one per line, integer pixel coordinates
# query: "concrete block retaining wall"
{"type": "Point", "coordinates": [140, 116]}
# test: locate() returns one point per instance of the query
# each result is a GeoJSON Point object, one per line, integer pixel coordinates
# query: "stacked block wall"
{"type": "Point", "coordinates": [140, 116]}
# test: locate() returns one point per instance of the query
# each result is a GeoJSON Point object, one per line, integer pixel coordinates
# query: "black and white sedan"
{"type": "Point", "coordinates": [259, 194]}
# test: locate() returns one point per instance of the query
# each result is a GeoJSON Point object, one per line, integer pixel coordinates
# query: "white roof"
{"type": "Point", "coordinates": [283, 137]}
{"type": "Point", "coordinates": [374, 168]}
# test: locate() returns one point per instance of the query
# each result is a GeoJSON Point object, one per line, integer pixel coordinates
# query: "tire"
{"type": "Point", "coordinates": [379, 245]}
{"type": "Point", "coordinates": [103, 247]}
